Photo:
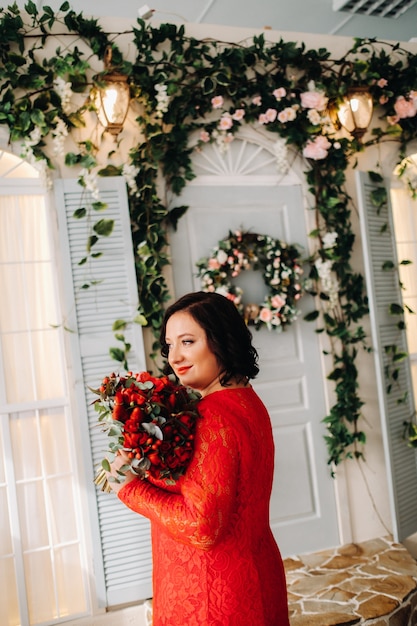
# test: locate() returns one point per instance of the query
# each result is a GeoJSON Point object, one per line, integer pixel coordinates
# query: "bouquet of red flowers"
{"type": "Point", "coordinates": [152, 419]}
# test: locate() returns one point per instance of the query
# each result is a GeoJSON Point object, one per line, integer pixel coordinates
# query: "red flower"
{"type": "Point", "coordinates": [152, 419]}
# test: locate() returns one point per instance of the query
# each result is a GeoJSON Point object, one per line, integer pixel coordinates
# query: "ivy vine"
{"type": "Point", "coordinates": [188, 92]}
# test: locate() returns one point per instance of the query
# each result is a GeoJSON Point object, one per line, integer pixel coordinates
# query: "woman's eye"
{"type": "Point", "coordinates": [188, 341]}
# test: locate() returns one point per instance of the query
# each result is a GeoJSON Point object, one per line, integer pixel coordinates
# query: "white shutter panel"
{"type": "Point", "coordinates": [121, 538]}
{"type": "Point", "coordinates": [384, 289]}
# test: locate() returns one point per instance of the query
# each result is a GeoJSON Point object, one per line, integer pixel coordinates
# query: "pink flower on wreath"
{"type": "Point", "coordinates": [265, 315]}
{"type": "Point", "coordinates": [317, 148]}
{"type": "Point", "coordinates": [313, 100]}
{"type": "Point", "coordinates": [279, 93]}
{"type": "Point", "coordinates": [287, 115]}
{"type": "Point", "coordinates": [404, 108]}
{"type": "Point", "coordinates": [277, 302]}
{"type": "Point", "coordinates": [217, 102]}
{"type": "Point", "coordinates": [257, 101]}
{"type": "Point", "coordinates": [213, 264]}
{"type": "Point", "coordinates": [226, 122]}
{"type": "Point", "coordinates": [383, 99]}
{"type": "Point", "coordinates": [238, 115]}
{"type": "Point", "coordinates": [382, 82]}
{"type": "Point", "coordinates": [204, 136]}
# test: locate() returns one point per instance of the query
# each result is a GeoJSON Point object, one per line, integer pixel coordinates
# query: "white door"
{"type": "Point", "coordinates": [291, 380]}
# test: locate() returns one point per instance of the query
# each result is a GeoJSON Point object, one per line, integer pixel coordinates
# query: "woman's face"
{"type": "Point", "coordinates": [189, 354]}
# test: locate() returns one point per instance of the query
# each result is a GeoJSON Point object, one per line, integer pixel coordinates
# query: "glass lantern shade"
{"type": "Point", "coordinates": [112, 102]}
{"type": "Point", "coordinates": [355, 112]}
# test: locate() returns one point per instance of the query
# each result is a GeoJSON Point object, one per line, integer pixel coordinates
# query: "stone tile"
{"type": "Point", "coordinates": [317, 559]}
{"type": "Point", "coordinates": [321, 607]}
{"type": "Point", "coordinates": [399, 562]}
{"type": "Point", "coordinates": [395, 586]}
{"type": "Point", "coordinates": [331, 619]}
{"type": "Point", "coordinates": [376, 546]}
{"type": "Point", "coordinates": [344, 562]}
{"type": "Point", "coordinates": [291, 564]}
{"type": "Point", "coordinates": [357, 584]}
{"type": "Point", "coordinates": [377, 607]}
{"type": "Point", "coordinates": [312, 585]}
{"type": "Point", "coordinates": [372, 569]}
{"type": "Point", "coordinates": [336, 594]}
{"type": "Point", "coordinates": [373, 583]}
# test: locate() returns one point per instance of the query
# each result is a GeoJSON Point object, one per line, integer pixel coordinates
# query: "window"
{"type": "Point", "coordinates": [41, 556]}
{"type": "Point", "coordinates": [404, 209]}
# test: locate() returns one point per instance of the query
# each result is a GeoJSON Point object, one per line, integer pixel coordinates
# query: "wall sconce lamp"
{"type": "Point", "coordinates": [354, 113]}
{"type": "Point", "coordinates": [112, 98]}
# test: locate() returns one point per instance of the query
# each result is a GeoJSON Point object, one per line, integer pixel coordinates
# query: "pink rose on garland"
{"type": "Point", "coordinates": [238, 115]}
{"type": "Point", "coordinates": [317, 148]}
{"type": "Point", "coordinates": [226, 122]}
{"type": "Point", "coordinates": [404, 107]}
{"type": "Point", "coordinates": [279, 93]}
{"type": "Point", "coordinates": [287, 115]}
{"type": "Point", "coordinates": [204, 136]}
{"type": "Point", "coordinates": [313, 100]}
{"type": "Point", "coordinates": [217, 102]}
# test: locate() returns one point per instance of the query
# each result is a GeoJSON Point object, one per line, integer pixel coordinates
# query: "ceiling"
{"type": "Point", "coordinates": [305, 16]}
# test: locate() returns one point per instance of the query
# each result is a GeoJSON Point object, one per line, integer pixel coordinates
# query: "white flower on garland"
{"type": "Point", "coordinates": [28, 155]}
{"type": "Point", "coordinates": [162, 100]}
{"type": "Point", "coordinates": [223, 139]}
{"type": "Point", "coordinates": [130, 172]}
{"type": "Point", "coordinates": [88, 179]}
{"type": "Point", "coordinates": [329, 283]}
{"type": "Point", "coordinates": [329, 240]}
{"type": "Point", "coordinates": [314, 117]}
{"type": "Point", "coordinates": [64, 91]}
{"type": "Point", "coordinates": [58, 138]}
{"type": "Point", "coordinates": [281, 155]}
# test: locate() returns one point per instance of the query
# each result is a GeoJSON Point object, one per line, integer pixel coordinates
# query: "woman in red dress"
{"type": "Point", "coordinates": [215, 560]}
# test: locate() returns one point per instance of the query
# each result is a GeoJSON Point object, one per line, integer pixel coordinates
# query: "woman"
{"type": "Point", "coordinates": [215, 560]}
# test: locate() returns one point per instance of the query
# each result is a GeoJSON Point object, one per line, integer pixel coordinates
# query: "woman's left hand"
{"type": "Point", "coordinates": [119, 461]}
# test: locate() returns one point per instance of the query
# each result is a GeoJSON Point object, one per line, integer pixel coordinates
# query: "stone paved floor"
{"type": "Point", "coordinates": [373, 583]}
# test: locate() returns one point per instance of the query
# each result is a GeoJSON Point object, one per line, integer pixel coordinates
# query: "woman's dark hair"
{"type": "Point", "coordinates": [228, 336]}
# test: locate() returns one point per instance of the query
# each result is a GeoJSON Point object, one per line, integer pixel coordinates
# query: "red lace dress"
{"type": "Point", "coordinates": [215, 561]}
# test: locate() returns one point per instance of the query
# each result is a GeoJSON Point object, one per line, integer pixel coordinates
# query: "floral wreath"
{"type": "Point", "coordinates": [281, 270]}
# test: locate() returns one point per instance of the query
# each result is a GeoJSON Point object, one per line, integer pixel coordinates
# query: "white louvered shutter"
{"type": "Point", "coordinates": [383, 289]}
{"type": "Point", "coordinates": [121, 538]}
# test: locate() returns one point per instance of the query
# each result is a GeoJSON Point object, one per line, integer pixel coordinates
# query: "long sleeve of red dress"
{"type": "Point", "coordinates": [215, 560]}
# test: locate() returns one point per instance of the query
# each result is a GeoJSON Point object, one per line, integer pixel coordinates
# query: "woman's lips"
{"type": "Point", "coordinates": [183, 370]}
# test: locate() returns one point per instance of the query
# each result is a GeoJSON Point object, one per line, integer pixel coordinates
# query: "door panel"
{"type": "Point", "coordinates": [303, 510]}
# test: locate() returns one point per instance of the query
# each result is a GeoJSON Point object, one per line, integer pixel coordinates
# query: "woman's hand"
{"type": "Point", "coordinates": [121, 459]}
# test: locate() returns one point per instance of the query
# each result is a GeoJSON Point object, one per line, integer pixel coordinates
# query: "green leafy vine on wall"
{"type": "Point", "coordinates": [188, 92]}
